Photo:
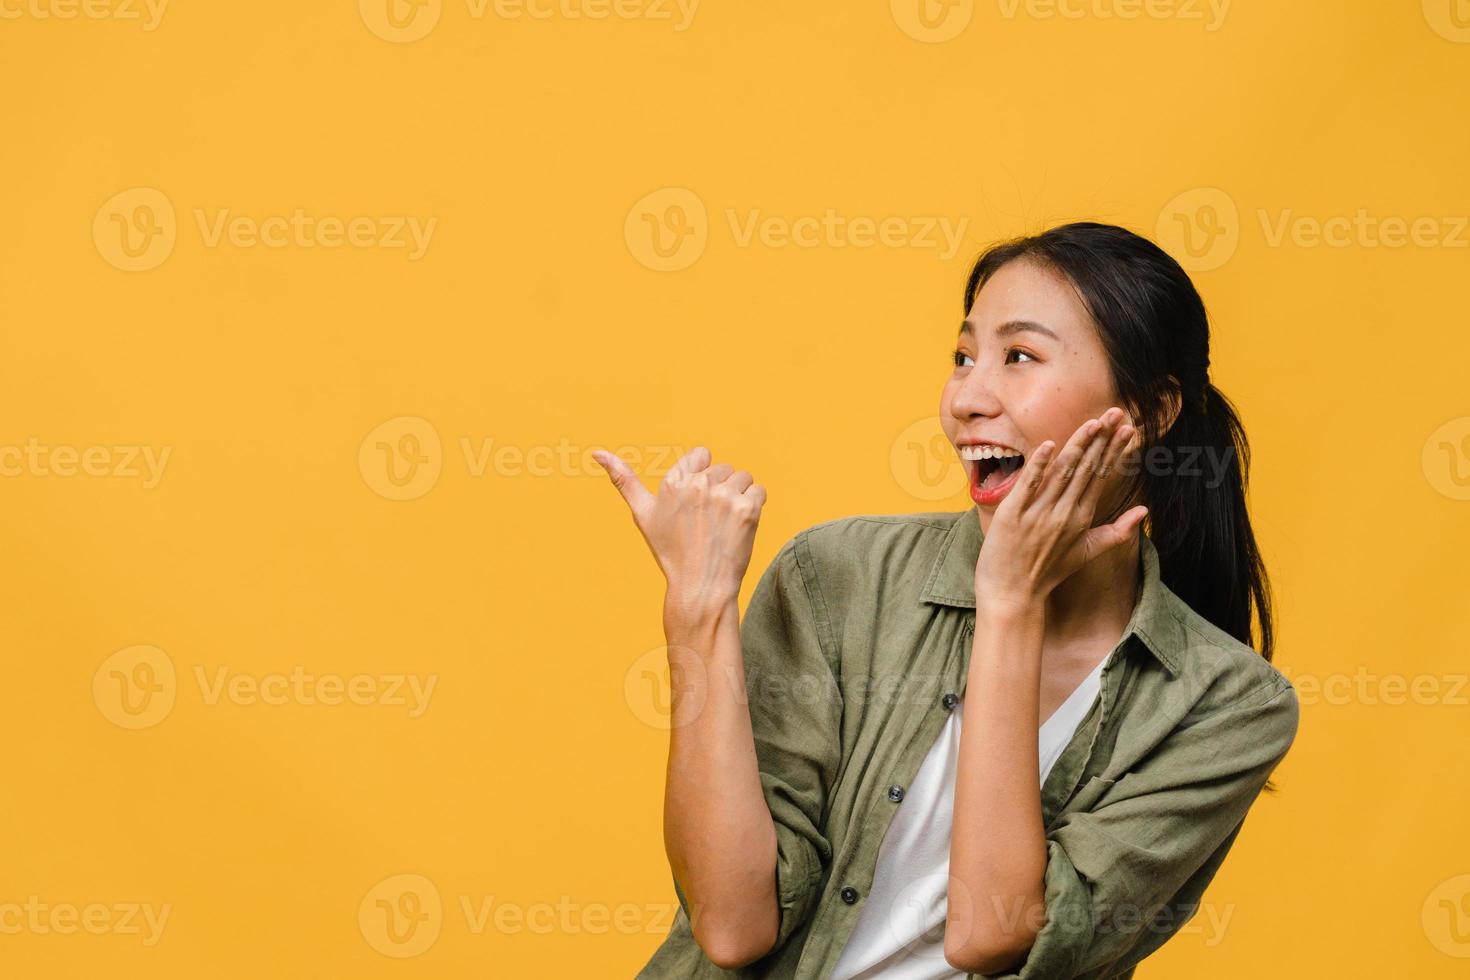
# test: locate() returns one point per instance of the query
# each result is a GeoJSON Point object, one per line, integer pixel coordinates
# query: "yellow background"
{"type": "Point", "coordinates": [536, 319]}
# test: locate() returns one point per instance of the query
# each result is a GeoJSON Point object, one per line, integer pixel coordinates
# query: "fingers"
{"type": "Point", "coordinates": [1125, 440]}
{"type": "Point", "coordinates": [1067, 461]}
{"type": "Point", "coordinates": [696, 461]}
{"type": "Point", "coordinates": [1082, 490]}
{"type": "Point", "coordinates": [627, 482]}
{"type": "Point", "coordinates": [1108, 536]}
{"type": "Point", "coordinates": [1033, 475]}
{"type": "Point", "coordinates": [740, 480]}
{"type": "Point", "coordinates": [727, 479]}
{"type": "Point", "coordinates": [690, 463]}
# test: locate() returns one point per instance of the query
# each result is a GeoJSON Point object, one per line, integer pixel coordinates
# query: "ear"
{"type": "Point", "coordinates": [1173, 402]}
{"type": "Point", "coordinates": [1168, 414]}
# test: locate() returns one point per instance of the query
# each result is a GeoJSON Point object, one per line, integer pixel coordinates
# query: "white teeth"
{"type": "Point", "coordinates": [986, 452]}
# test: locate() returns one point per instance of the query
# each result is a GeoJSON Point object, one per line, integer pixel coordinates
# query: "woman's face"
{"type": "Point", "coordinates": [1029, 367]}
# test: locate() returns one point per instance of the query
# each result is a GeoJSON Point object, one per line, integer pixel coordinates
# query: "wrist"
{"type": "Point", "coordinates": [992, 605]}
{"type": "Point", "coordinates": [690, 611]}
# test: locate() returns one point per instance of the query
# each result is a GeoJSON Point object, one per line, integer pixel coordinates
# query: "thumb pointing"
{"type": "Point", "coordinates": [634, 493]}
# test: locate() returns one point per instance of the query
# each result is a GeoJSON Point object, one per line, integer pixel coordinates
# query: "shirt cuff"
{"type": "Point", "coordinates": [1063, 940]}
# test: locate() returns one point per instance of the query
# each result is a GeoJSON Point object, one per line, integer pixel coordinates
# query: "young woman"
{"type": "Point", "coordinates": [827, 814]}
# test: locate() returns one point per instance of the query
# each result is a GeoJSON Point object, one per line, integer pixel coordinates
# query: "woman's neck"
{"type": "Point", "coordinates": [1098, 598]}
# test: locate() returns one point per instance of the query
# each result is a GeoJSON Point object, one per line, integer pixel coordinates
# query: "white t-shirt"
{"type": "Point", "coordinates": [899, 934]}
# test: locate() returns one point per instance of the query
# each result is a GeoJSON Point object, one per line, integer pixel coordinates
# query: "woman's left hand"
{"type": "Point", "coordinates": [1042, 531]}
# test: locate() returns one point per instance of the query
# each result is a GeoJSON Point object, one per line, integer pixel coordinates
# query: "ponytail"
{"type": "Point", "coordinates": [1198, 520]}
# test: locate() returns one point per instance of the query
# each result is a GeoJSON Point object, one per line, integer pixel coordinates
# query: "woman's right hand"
{"type": "Point", "coordinates": [700, 527]}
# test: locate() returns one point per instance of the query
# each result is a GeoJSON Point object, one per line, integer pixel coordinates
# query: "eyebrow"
{"type": "Point", "coordinates": [1013, 326]}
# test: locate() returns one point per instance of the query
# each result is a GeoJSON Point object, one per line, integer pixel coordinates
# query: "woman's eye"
{"type": "Point", "coordinates": [960, 357]}
{"type": "Point", "coordinates": [1017, 350]}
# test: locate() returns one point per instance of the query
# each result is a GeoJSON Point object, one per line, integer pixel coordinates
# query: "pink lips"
{"type": "Point", "coordinates": [989, 497]}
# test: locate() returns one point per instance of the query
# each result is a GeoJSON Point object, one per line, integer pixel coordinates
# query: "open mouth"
{"type": "Point", "coordinates": [991, 468]}
{"type": "Point", "coordinates": [993, 473]}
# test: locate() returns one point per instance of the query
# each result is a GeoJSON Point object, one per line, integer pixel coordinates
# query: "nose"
{"type": "Point", "coordinates": [975, 397]}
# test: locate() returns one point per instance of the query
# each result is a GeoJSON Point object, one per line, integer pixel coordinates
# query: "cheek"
{"type": "Point", "coordinates": [1055, 411]}
{"type": "Point", "coordinates": [1045, 414]}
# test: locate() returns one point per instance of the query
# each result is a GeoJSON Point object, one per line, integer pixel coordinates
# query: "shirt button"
{"type": "Point", "coordinates": [950, 700]}
{"type": "Point", "coordinates": [850, 895]}
{"type": "Point", "coordinates": [895, 793]}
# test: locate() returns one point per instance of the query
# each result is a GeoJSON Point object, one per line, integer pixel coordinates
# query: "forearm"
{"type": "Point", "coordinates": [718, 831]}
{"type": "Point", "coordinates": [998, 843]}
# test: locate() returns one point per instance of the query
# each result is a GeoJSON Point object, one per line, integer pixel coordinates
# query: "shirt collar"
{"type": "Point", "coordinates": [951, 582]}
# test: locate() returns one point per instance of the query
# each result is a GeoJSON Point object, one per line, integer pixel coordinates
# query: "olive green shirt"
{"type": "Point", "coordinates": [857, 645]}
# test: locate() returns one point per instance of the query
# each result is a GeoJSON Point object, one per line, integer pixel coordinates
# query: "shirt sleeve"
{"type": "Point", "coordinates": [1125, 874]}
{"type": "Point", "coordinates": [795, 715]}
